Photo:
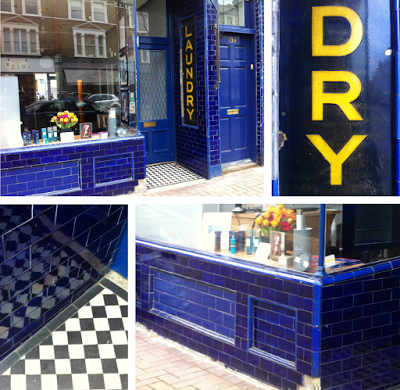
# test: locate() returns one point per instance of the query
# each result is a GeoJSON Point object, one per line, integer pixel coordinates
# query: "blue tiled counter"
{"type": "Point", "coordinates": [282, 327]}
{"type": "Point", "coordinates": [99, 167]}
{"type": "Point", "coordinates": [49, 257]}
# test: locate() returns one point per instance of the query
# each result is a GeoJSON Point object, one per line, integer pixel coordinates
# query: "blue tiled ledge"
{"type": "Point", "coordinates": [228, 260]}
{"type": "Point", "coordinates": [100, 167]}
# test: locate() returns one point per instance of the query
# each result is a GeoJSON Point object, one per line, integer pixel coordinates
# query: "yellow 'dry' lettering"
{"type": "Point", "coordinates": [336, 160]}
{"type": "Point", "coordinates": [343, 100]}
{"type": "Point", "coordinates": [318, 47]}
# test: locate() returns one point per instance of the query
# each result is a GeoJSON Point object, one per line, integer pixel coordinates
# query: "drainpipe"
{"type": "Point", "coordinates": [275, 98]}
{"type": "Point", "coordinates": [216, 27]}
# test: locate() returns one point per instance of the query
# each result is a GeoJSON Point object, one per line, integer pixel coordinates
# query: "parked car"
{"type": "Point", "coordinates": [105, 100]}
{"type": "Point", "coordinates": [39, 114]}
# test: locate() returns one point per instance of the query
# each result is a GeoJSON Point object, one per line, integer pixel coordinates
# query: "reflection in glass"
{"type": "Point", "coordinates": [152, 18]}
{"type": "Point", "coordinates": [65, 55]}
{"type": "Point", "coordinates": [231, 12]}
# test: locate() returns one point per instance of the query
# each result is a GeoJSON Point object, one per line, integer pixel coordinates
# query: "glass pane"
{"type": "Point", "coordinates": [231, 12]}
{"type": "Point", "coordinates": [152, 18]}
{"type": "Point", "coordinates": [76, 9]}
{"type": "Point", "coordinates": [98, 12]}
{"type": "Point", "coordinates": [6, 5]}
{"type": "Point", "coordinates": [152, 84]}
{"type": "Point", "coordinates": [31, 7]}
{"type": "Point", "coordinates": [33, 42]}
{"type": "Point", "coordinates": [90, 45]}
{"type": "Point", "coordinates": [7, 41]}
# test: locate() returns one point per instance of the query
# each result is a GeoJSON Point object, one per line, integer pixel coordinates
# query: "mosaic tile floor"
{"type": "Point", "coordinates": [161, 175]}
{"type": "Point", "coordinates": [88, 352]}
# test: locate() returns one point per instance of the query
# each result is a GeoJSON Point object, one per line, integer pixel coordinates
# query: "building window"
{"type": "Point", "coordinates": [143, 22]}
{"type": "Point", "coordinates": [231, 12]}
{"type": "Point", "coordinates": [99, 11]}
{"type": "Point", "coordinates": [7, 5]}
{"type": "Point", "coordinates": [20, 40]}
{"type": "Point", "coordinates": [89, 43]}
{"type": "Point", "coordinates": [76, 9]}
{"type": "Point", "coordinates": [31, 7]}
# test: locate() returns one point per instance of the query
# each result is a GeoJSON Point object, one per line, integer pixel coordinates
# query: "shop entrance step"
{"type": "Point", "coordinates": [166, 174]}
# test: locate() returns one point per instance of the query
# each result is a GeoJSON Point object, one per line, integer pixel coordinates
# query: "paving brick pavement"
{"type": "Point", "coordinates": [248, 182]}
{"type": "Point", "coordinates": [164, 365]}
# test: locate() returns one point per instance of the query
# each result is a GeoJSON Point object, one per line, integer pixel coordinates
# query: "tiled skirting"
{"type": "Point", "coordinates": [85, 347]}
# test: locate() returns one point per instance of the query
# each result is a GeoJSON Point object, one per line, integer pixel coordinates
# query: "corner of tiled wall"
{"type": "Point", "coordinates": [49, 256]}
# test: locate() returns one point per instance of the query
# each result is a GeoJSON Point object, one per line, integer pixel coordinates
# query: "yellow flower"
{"type": "Point", "coordinates": [53, 119]}
{"type": "Point", "coordinates": [265, 222]}
{"type": "Point", "coordinates": [267, 215]}
{"type": "Point", "coordinates": [259, 220]}
{"type": "Point", "coordinates": [290, 220]}
{"type": "Point", "coordinates": [274, 223]}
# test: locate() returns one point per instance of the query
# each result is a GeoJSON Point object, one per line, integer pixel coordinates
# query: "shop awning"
{"type": "Point", "coordinates": [90, 76]}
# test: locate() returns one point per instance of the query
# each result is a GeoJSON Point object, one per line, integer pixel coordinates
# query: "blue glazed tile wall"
{"type": "Point", "coordinates": [275, 330]}
{"type": "Point", "coordinates": [50, 255]}
{"type": "Point", "coordinates": [213, 94]}
{"type": "Point", "coordinates": [109, 167]}
{"type": "Point", "coordinates": [198, 148]}
{"type": "Point", "coordinates": [200, 304]}
{"type": "Point", "coordinates": [360, 343]}
{"type": "Point", "coordinates": [259, 12]}
{"type": "Point", "coordinates": [276, 291]}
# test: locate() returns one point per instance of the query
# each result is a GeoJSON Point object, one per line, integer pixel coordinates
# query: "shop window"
{"type": "Point", "coordinates": [31, 7]}
{"type": "Point", "coordinates": [99, 11]}
{"type": "Point", "coordinates": [76, 9]}
{"type": "Point", "coordinates": [231, 12]}
{"type": "Point", "coordinates": [89, 43]}
{"type": "Point", "coordinates": [7, 5]}
{"type": "Point", "coordinates": [21, 40]}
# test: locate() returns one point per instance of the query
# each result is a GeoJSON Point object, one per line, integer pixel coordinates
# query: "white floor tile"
{"type": "Point", "coordinates": [80, 381]}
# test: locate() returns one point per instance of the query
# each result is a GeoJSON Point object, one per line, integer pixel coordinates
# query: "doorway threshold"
{"type": "Point", "coordinates": [237, 166]}
{"type": "Point", "coordinates": [167, 174]}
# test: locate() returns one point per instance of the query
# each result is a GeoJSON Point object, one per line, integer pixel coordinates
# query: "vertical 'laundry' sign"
{"type": "Point", "coordinates": [189, 90]}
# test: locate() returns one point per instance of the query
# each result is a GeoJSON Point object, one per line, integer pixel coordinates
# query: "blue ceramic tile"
{"type": "Point", "coordinates": [29, 233]}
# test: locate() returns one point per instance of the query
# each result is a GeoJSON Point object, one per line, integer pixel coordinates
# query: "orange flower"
{"type": "Point", "coordinates": [259, 219]}
{"type": "Point", "coordinates": [265, 222]}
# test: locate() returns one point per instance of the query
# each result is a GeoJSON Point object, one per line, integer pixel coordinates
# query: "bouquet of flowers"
{"type": "Point", "coordinates": [65, 120]}
{"type": "Point", "coordinates": [276, 219]}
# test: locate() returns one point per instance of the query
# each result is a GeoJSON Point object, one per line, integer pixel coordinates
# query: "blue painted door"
{"type": "Point", "coordinates": [155, 103]}
{"type": "Point", "coordinates": [235, 97]}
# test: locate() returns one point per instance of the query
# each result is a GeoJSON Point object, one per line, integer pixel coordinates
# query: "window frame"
{"type": "Point", "coordinates": [28, 29]}
{"type": "Point", "coordinates": [39, 5]}
{"type": "Point", "coordinates": [82, 10]}
{"type": "Point", "coordinates": [86, 31]}
{"type": "Point", "coordinates": [104, 4]}
{"type": "Point", "coordinates": [12, 8]}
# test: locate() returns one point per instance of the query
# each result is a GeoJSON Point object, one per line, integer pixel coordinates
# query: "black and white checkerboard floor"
{"type": "Point", "coordinates": [161, 175]}
{"type": "Point", "coordinates": [88, 352]}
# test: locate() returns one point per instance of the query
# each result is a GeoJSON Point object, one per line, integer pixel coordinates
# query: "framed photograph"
{"type": "Point", "coordinates": [123, 71]}
{"type": "Point", "coordinates": [102, 120]}
{"type": "Point", "coordinates": [277, 240]}
{"type": "Point", "coordinates": [125, 103]}
{"type": "Point", "coordinates": [85, 130]}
